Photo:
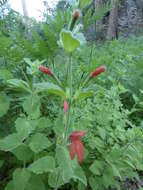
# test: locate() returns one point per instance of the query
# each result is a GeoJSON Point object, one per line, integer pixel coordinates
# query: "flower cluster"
{"type": "Point", "coordinates": [98, 71]}
{"type": "Point", "coordinates": [45, 70]}
{"type": "Point", "coordinates": [76, 146]}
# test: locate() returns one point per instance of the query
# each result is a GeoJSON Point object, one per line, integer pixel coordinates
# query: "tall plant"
{"type": "Point", "coordinates": [29, 141]}
{"type": "Point", "coordinates": [70, 42]}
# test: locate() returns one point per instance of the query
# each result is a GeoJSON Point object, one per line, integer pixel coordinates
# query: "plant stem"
{"type": "Point", "coordinates": [70, 76]}
{"type": "Point", "coordinates": [67, 115]}
{"type": "Point", "coordinates": [70, 101]}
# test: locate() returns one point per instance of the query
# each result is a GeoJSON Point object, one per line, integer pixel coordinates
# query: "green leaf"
{"type": "Point", "coordinates": [39, 142]}
{"type": "Point", "coordinates": [1, 163]}
{"type": "Point", "coordinates": [34, 183]}
{"type": "Point", "coordinates": [4, 104]}
{"type": "Point", "coordinates": [5, 74]}
{"type": "Point", "coordinates": [20, 179]}
{"type": "Point", "coordinates": [9, 186]}
{"type": "Point", "coordinates": [23, 153]}
{"type": "Point", "coordinates": [69, 169]}
{"type": "Point", "coordinates": [23, 127]}
{"type": "Point", "coordinates": [82, 95]}
{"type": "Point", "coordinates": [42, 165]}
{"type": "Point", "coordinates": [93, 184]}
{"type": "Point", "coordinates": [31, 106]}
{"type": "Point", "coordinates": [102, 132]}
{"type": "Point", "coordinates": [81, 186]}
{"type": "Point", "coordinates": [46, 87]}
{"type": "Point", "coordinates": [79, 174]}
{"type": "Point", "coordinates": [140, 188]}
{"type": "Point", "coordinates": [59, 125]}
{"type": "Point", "coordinates": [10, 142]}
{"type": "Point", "coordinates": [32, 67]}
{"type": "Point", "coordinates": [52, 179]}
{"type": "Point", "coordinates": [82, 4]}
{"type": "Point", "coordinates": [108, 176]}
{"type": "Point", "coordinates": [68, 41]}
{"type": "Point", "coordinates": [18, 86]}
{"type": "Point", "coordinates": [64, 161]}
{"type": "Point", "coordinates": [116, 172]}
{"type": "Point", "coordinates": [97, 167]}
{"type": "Point", "coordinates": [44, 123]}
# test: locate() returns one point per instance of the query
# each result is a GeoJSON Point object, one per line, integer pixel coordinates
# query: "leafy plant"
{"type": "Point", "coordinates": [50, 99]}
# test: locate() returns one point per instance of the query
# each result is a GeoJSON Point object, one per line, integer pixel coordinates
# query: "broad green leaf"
{"type": "Point", "coordinates": [34, 183]}
{"type": "Point", "coordinates": [9, 186]}
{"type": "Point", "coordinates": [81, 186]}
{"type": "Point", "coordinates": [59, 125]}
{"type": "Point", "coordinates": [5, 74]}
{"type": "Point", "coordinates": [18, 86]}
{"type": "Point", "coordinates": [39, 142]}
{"type": "Point", "coordinates": [46, 87]}
{"type": "Point", "coordinates": [80, 36]}
{"type": "Point", "coordinates": [64, 161]}
{"type": "Point", "coordinates": [20, 178]}
{"type": "Point", "coordinates": [69, 169]}
{"type": "Point", "coordinates": [108, 176]}
{"type": "Point", "coordinates": [31, 106]}
{"type": "Point", "coordinates": [10, 142]}
{"type": "Point", "coordinates": [68, 41]}
{"type": "Point", "coordinates": [82, 95]}
{"type": "Point", "coordinates": [43, 123]}
{"type": "Point", "coordinates": [23, 153]}
{"type": "Point", "coordinates": [97, 167]}
{"type": "Point", "coordinates": [4, 104]}
{"type": "Point", "coordinates": [1, 163]}
{"type": "Point", "coordinates": [116, 172]}
{"type": "Point", "coordinates": [43, 165]}
{"type": "Point", "coordinates": [23, 127]}
{"type": "Point", "coordinates": [93, 184]}
{"type": "Point", "coordinates": [52, 179]}
{"type": "Point", "coordinates": [79, 174]}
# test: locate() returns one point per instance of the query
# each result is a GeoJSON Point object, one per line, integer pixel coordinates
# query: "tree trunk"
{"type": "Point", "coordinates": [132, 15]}
{"type": "Point", "coordinates": [99, 23]}
{"type": "Point", "coordinates": [25, 20]}
{"type": "Point", "coordinates": [112, 31]}
{"type": "Point", "coordinates": [25, 12]}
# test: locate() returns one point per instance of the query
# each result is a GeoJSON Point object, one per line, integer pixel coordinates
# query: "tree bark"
{"type": "Point", "coordinates": [132, 15]}
{"type": "Point", "coordinates": [24, 7]}
{"type": "Point", "coordinates": [112, 31]}
{"type": "Point", "coordinates": [99, 23]}
{"type": "Point", "coordinates": [25, 20]}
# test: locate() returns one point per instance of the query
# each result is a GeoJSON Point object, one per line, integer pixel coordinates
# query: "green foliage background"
{"type": "Point", "coordinates": [31, 118]}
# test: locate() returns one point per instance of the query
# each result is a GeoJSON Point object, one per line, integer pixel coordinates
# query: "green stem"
{"type": "Point", "coordinates": [70, 76]}
{"type": "Point", "coordinates": [67, 115]}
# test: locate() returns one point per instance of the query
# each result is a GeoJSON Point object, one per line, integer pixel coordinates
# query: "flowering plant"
{"type": "Point", "coordinates": [70, 43]}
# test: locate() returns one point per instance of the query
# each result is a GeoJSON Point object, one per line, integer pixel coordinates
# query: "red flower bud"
{"type": "Point", "coordinates": [65, 106]}
{"type": "Point", "coordinates": [76, 146]}
{"type": "Point", "coordinates": [98, 71]}
{"type": "Point", "coordinates": [45, 70]}
{"type": "Point", "coordinates": [76, 14]}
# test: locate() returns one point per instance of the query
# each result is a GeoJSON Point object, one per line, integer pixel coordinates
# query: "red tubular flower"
{"type": "Point", "coordinates": [76, 146]}
{"type": "Point", "coordinates": [45, 70]}
{"type": "Point", "coordinates": [98, 71]}
{"type": "Point", "coordinates": [65, 106]}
